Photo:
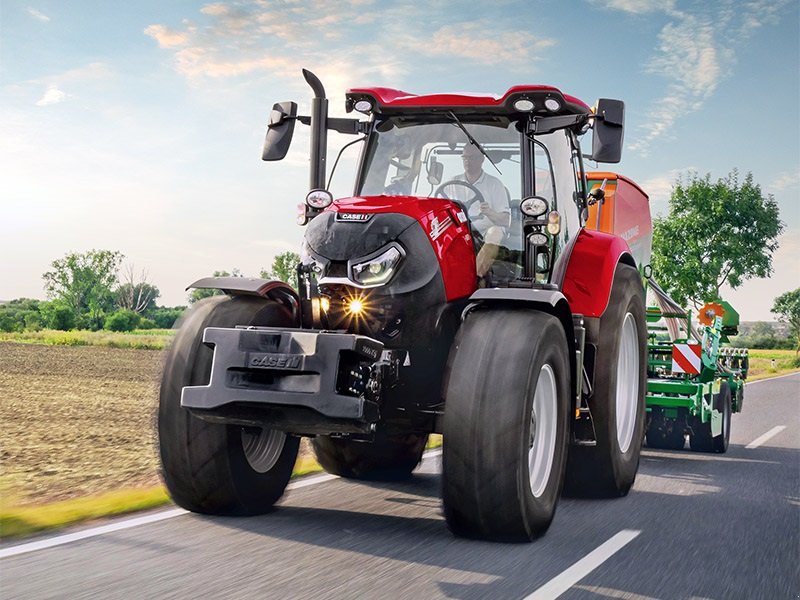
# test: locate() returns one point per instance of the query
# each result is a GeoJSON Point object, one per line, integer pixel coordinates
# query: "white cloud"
{"type": "Point", "coordinates": [475, 42]}
{"type": "Point", "coordinates": [38, 15]}
{"type": "Point", "coordinates": [639, 6]}
{"type": "Point", "coordinates": [695, 52]}
{"type": "Point", "coordinates": [53, 95]}
{"type": "Point", "coordinates": [166, 37]}
{"type": "Point", "coordinates": [784, 181]}
{"type": "Point", "coordinates": [659, 189]}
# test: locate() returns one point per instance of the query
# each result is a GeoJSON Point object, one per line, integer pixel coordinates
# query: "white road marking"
{"type": "Point", "coordinates": [68, 538]}
{"type": "Point", "coordinates": [771, 378]}
{"type": "Point", "coordinates": [764, 438]}
{"type": "Point", "coordinates": [87, 533]}
{"type": "Point", "coordinates": [562, 582]}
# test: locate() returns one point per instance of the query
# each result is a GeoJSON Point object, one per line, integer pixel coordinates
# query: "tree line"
{"type": "Point", "coordinates": [89, 290]}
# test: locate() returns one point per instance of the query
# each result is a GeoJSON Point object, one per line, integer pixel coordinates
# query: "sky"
{"type": "Point", "coordinates": [137, 126]}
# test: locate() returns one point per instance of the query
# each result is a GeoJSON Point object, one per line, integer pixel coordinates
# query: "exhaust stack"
{"type": "Point", "coordinates": [319, 132]}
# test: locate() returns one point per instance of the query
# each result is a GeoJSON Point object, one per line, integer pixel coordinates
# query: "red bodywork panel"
{"type": "Point", "coordinates": [397, 98]}
{"type": "Point", "coordinates": [590, 271]}
{"type": "Point", "coordinates": [449, 236]}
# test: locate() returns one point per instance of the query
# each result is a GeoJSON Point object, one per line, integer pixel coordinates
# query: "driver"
{"type": "Point", "coordinates": [491, 217]}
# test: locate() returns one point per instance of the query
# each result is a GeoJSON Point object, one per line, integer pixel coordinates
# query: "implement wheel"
{"type": "Point", "coordinates": [505, 425]}
{"type": "Point", "coordinates": [700, 439]}
{"type": "Point", "coordinates": [214, 468]}
{"type": "Point", "coordinates": [618, 400]}
{"type": "Point", "coordinates": [384, 458]}
{"type": "Point", "coordinates": [665, 437]}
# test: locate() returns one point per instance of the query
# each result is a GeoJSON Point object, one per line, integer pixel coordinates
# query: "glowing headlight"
{"type": "Point", "coordinates": [378, 270]}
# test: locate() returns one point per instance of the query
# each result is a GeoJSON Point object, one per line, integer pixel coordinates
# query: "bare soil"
{"type": "Point", "coordinates": [76, 421]}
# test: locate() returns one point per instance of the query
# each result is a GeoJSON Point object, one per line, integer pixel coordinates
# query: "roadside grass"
{"type": "Point", "coordinates": [786, 361]}
{"type": "Point", "coordinates": [140, 339]}
{"type": "Point", "coordinates": [20, 521]}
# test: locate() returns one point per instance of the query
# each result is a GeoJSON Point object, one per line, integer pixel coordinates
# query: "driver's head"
{"type": "Point", "coordinates": [473, 161]}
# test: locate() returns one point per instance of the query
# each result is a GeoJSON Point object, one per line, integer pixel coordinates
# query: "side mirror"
{"type": "Point", "coordinates": [609, 129]}
{"type": "Point", "coordinates": [279, 131]}
{"type": "Point", "coordinates": [435, 171]}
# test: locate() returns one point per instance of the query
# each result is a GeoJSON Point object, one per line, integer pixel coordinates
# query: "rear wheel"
{"type": "Point", "coordinates": [618, 399]}
{"type": "Point", "coordinates": [505, 425]}
{"type": "Point", "coordinates": [384, 458]}
{"type": "Point", "coordinates": [701, 439]}
{"type": "Point", "coordinates": [210, 467]}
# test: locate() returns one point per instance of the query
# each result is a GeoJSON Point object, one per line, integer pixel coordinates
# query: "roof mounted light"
{"type": "Point", "coordinates": [523, 105]}
{"type": "Point", "coordinates": [363, 106]}
{"type": "Point", "coordinates": [552, 104]}
{"type": "Point", "coordinates": [319, 199]}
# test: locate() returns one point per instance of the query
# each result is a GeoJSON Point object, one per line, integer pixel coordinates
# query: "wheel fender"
{"type": "Point", "coordinates": [590, 271]}
{"type": "Point", "coordinates": [279, 291]}
{"type": "Point", "coordinates": [550, 301]}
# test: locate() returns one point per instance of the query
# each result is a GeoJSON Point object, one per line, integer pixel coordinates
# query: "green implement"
{"type": "Point", "coordinates": [695, 380]}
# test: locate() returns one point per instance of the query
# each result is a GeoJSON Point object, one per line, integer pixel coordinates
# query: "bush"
{"type": "Point", "coordinates": [165, 317]}
{"type": "Point", "coordinates": [57, 315]}
{"type": "Point", "coordinates": [122, 320]}
{"type": "Point", "coordinates": [33, 321]}
{"type": "Point", "coordinates": [147, 324]}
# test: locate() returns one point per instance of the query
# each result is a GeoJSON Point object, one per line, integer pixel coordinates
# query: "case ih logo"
{"type": "Point", "coordinates": [275, 361]}
{"type": "Point", "coordinates": [353, 217]}
{"type": "Point", "coordinates": [438, 227]}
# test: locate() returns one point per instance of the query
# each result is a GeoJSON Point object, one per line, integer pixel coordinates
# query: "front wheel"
{"type": "Point", "coordinates": [505, 425]}
{"type": "Point", "coordinates": [609, 468]}
{"type": "Point", "coordinates": [215, 468]}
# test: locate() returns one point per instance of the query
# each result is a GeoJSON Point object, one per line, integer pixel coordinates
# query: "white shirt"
{"type": "Point", "coordinates": [494, 193]}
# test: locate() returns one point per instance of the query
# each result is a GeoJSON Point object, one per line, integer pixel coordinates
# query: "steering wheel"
{"type": "Point", "coordinates": [476, 197]}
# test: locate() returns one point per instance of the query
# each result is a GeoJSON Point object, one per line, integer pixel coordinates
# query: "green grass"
{"type": "Point", "coordinates": [19, 521]}
{"type": "Point", "coordinates": [786, 361]}
{"type": "Point", "coordinates": [142, 339]}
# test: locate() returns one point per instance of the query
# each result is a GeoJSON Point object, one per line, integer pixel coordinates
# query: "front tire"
{"type": "Point", "coordinates": [214, 468]}
{"type": "Point", "coordinates": [505, 425]}
{"type": "Point", "coordinates": [617, 404]}
{"type": "Point", "coordinates": [384, 458]}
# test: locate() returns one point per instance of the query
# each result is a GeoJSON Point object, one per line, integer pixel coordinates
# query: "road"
{"type": "Point", "coordinates": [695, 526]}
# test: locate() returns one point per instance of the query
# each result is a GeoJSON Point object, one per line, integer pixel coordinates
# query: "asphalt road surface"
{"type": "Point", "coordinates": [695, 526]}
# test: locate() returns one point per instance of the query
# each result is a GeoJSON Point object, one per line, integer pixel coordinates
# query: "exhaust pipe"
{"type": "Point", "coordinates": [319, 131]}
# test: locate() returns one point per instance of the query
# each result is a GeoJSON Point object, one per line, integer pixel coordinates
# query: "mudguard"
{"type": "Point", "coordinates": [279, 291]}
{"type": "Point", "coordinates": [590, 271]}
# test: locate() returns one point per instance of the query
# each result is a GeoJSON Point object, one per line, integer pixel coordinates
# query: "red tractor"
{"type": "Point", "coordinates": [458, 291]}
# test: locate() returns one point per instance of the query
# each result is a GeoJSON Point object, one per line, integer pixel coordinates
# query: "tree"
{"type": "Point", "coordinates": [787, 307]}
{"type": "Point", "coordinates": [284, 268]}
{"type": "Point", "coordinates": [199, 294]}
{"type": "Point", "coordinates": [135, 293]}
{"type": "Point", "coordinates": [85, 283]}
{"type": "Point", "coordinates": [715, 233]}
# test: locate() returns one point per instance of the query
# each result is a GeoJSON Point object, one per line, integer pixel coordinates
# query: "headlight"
{"type": "Point", "coordinates": [377, 271]}
{"type": "Point", "coordinates": [533, 206]}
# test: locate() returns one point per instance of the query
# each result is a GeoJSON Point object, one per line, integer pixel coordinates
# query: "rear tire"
{"type": "Point", "coordinates": [505, 425]}
{"type": "Point", "coordinates": [214, 468]}
{"type": "Point", "coordinates": [384, 458]}
{"type": "Point", "coordinates": [701, 440]}
{"type": "Point", "coordinates": [617, 404]}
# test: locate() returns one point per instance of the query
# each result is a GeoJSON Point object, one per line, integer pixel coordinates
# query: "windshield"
{"type": "Point", "coordinates": [481, 168]}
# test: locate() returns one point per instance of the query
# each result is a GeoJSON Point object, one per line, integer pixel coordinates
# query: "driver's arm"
{"type": "Point", "coordinates": [495, 207]}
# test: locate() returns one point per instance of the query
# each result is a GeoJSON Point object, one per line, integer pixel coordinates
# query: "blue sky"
{"type": "Point", "coordinates": [137, 126]}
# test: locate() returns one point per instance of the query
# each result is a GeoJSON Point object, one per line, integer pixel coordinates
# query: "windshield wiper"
{"type": "Point", "coordinates": [472, 140]}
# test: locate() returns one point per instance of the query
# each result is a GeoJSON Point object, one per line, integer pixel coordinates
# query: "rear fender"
{"type": "Point", "coordinates": [590, 271]}
{"type": "Point", "coordinates": [278, 291]}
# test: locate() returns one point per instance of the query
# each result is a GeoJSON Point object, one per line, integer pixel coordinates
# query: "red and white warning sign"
{"type": "Point", "coordinates": [686, 358]}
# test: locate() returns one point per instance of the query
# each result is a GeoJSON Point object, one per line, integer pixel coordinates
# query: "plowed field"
{"type": "Point", "coordinates": [76, 420]}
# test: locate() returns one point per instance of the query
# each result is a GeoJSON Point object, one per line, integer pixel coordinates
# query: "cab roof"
{"type": "Point", "coordinates": [391, 101]}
